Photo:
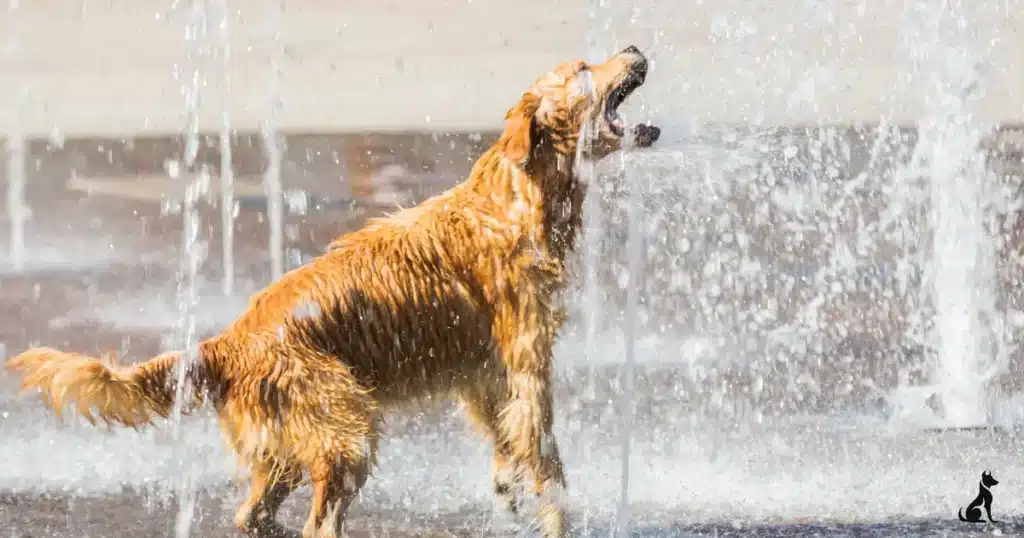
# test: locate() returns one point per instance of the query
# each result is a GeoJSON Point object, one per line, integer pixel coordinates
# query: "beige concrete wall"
{"type": "Point", "coordinates": [106, 67]}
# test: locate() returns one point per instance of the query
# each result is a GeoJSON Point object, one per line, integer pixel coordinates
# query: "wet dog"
{"type": "Point", "coordinates": [454, 297]}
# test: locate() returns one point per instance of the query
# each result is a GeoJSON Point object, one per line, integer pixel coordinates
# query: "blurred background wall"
{"type": "Point", "coordinates": [108, 68]}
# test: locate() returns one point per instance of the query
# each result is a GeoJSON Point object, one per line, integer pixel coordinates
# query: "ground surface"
{"type": "Point", "coordinates": [100, 275]}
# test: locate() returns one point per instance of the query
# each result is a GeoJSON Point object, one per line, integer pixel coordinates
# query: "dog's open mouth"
{"type": "Point", "coordinates": [618, 96]}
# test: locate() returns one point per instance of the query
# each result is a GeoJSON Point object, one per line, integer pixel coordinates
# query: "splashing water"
{"type": "Point", "coordinates": [593, 230]}
{"type": "Point", "coordinates": [592, 233]}
{"type": "Point", "coordinates": [194, 253]}
{"type": "Point", "coordinates": [228, 208]}
{"type": "Point", "coordinates": [627, 384]}
{"type": "Point", "coordinates": [585, 172]}
{"type": "Point", "coordinates": [961, 272]}
{"type": "Point", "coordinates": [188, 294]}
{"type": "Point", "coordinates": [17, 208]}
{"type": "Point", "coordinates": [635, 258]}
{"type": "Point", "coordinates": [803, 251]}
{"type": "Point", "coordinates": [272, 147]}
{"type": "Point", "coordinates": [592, 224]}
{"type": "Point", "coordinates": [594, 220]}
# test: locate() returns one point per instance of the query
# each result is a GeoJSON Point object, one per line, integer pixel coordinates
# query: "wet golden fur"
{"type": "Point", "coordinates": [451, 297]}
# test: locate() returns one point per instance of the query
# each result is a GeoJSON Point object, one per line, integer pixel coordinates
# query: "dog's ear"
{"type": "Point", "coordinates": [519, 125]}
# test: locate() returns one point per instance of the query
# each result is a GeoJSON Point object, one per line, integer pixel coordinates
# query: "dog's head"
{"type": "Point", "coordinates": [988, 480]}
{"type": "Point", "coordinates": [553, 111]}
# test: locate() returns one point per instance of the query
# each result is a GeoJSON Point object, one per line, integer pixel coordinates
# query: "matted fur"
{"type": "Point", "coordinates": [451, 297]}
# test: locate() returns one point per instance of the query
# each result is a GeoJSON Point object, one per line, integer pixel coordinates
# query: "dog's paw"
{"type": "Point", "coordinates": [505, 514]}
{"type": "Point", "coordinates": [506, 498]}
{"type": "Point", "coordinates": [646, 135]}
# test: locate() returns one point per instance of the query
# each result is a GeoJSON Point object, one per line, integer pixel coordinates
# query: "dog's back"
{"type": "Point", "coordinates": [410, 310]}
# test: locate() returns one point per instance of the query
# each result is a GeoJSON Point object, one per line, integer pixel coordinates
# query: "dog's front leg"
{"type": "Point", "coordinates": [527, 419]}
{"type": "Point", "coordinates": [483, 404]}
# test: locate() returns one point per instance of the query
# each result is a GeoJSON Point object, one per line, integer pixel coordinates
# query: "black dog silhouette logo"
{"type": "Point", "coordinates": [983, 501]}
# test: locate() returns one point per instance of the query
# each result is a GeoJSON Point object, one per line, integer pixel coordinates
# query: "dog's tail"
{"type": "Point", "coordinates": [101, 390]}
{"type": "Point", "coordinates": [960, 514]}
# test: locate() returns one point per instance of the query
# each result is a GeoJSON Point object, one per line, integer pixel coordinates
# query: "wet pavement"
{"type": "Point", "coordinates": [133, 514]}
{"type": "Point", "coordinates": [101, 272]}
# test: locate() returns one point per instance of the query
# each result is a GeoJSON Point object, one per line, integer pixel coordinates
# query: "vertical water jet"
{"type": "Point", "coordinates": [17, 207]}
{"type": "Point", "coordinates": [273, 150]}
{"type": "Point", "coordinates": [227, 173]}
{"type": "Point", "coordinates": [194, 246]}
{"type": "Point", "coordinates": [627, 381]}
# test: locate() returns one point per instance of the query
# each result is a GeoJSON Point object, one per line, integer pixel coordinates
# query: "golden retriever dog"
{"type": "Point", "coordinates": [451, 298]}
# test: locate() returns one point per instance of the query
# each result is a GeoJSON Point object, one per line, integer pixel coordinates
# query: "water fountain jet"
{"type": "Point", "coordinates": [593, 229]}
{"type": "Point", "coordinates": [961, 272]}
{"type": "Point", "coordinates": [228, 209]}
{"type": "Point", "coordinates": [627, 384]}
{"type": "Point", "coordinates": [17, 208]}
{"type": "Point", "coordinates": [194, 248]}
{"type": "Point", "coordinates": [16, 151]}
{"type": "Point", "coordinates": [273, 149]}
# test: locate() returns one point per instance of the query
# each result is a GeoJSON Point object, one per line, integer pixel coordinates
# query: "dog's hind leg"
{"type": "Point", "coordinates": [271, 485]}
{"type": "Point", "coordinates": [335, 486]}
{"type": "Point", "coordinates": [526, 421]}
{"type": "Point", "coordinates": [483, 403]}
{"type": "Point", "coordinates": [339, 468]}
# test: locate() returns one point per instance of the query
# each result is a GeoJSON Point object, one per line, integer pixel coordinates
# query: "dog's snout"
{"type": "Point", "coordinates": [640, 68]}
{"type": "Point", "coordinates": [638, 61]}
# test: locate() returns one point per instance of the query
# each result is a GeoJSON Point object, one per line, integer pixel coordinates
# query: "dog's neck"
{"type": "Point", "coordinates": [544, 194]}
{"type": "Point", "coordinates": [553, 169]}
